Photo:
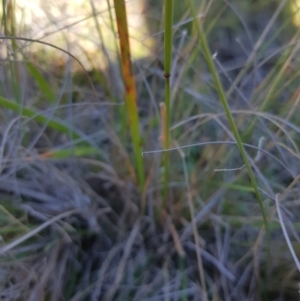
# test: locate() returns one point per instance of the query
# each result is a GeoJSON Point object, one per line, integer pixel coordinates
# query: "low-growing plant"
{"type": "Point", "coordinates": [169, 177]}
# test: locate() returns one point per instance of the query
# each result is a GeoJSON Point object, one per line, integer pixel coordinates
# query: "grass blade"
{"type": "Point", "coordinates": [222, 95]}
{"type": "Point", "coordinates": [168, 15]}
{"type": "Point", "coordinates": [41, 81]}
{"type": "Point", "coordinates": [214, 73]}
{"type": "Point", "coordinates": [56, 124]}
{"type": "Point", "coordinates": [130, 89]}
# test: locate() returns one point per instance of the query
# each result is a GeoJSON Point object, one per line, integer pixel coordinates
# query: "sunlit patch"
{"type": "Point", "coordinates": [71, 26]}
{"type": "Point", "coordinates": [295, 7]}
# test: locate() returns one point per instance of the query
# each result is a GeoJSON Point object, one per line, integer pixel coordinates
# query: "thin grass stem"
{"type": "Point", "coordinates": [222, 95]}
{"type": "Point", "coordinates": [168, 36]}
{"type": "Point", "coordinates": [130, 89]}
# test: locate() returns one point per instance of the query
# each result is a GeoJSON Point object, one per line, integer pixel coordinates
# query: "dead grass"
{"type": "Point", "coordinates": [71, 220]}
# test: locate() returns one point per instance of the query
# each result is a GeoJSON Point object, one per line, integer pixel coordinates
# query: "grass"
{"type": "Point", "coordinates": [210, 119]}
{"type": "Point", "coordinates": [168, 42]}
{"type": "Point", "coordinates": [130, 91]}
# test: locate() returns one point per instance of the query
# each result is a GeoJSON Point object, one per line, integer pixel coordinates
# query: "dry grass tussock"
{"type": "Point", "coordinates": [75, 225]}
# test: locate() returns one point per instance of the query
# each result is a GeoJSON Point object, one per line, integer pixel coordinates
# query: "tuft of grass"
{"type": "Point", "coordinates": [73, 223]}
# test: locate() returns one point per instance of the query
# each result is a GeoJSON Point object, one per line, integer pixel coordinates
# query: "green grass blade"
{"type": "Point", "coordinates": [56, 124]}
{"type": "Point", "coordinates": [222, 95]}
{"type": "Point", "coordinates": [41, 81]}
{"type": "Point", "coordinates": [168, 62]}
{"type": "Point", "coordinates": [217, 82]}
{"type": "Point", "coordinates": [130, 89]}
{"type": "Point", "coordinates": [168, 37]}
{"type": "Point", "coordinates": [76, 151]}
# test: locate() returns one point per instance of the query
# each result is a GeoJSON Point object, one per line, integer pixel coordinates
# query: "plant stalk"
{"type": "Point", "coordinates": [168, 37]}
{"type": "Point", "coordinates": [130, 89]}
